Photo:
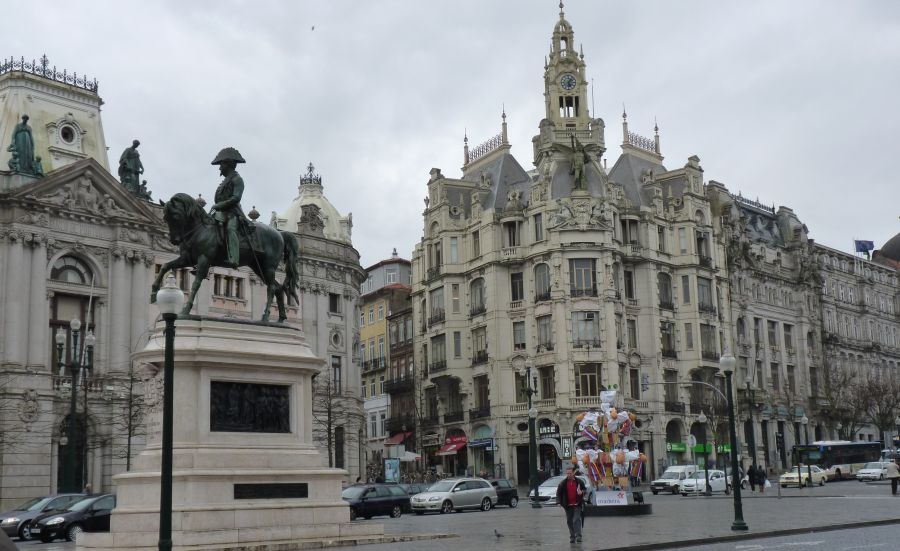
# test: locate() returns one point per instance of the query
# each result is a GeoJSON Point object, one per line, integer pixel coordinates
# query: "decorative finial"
{"type": "Point", "coordinates": [310, 178]}
{"type": "Point", "coordinates": [465, 136]}
{"type": "Point", "coordinates": [655, 125]}
{"type": "Point", "coordinates": [253, 214]}
{"type": "Point", "coordinates": [624, 114]}
{"type": "Point", "coordinates": [503, 108]}
{"type": "Point", "coordinates": [44, 62]}
{"type": "Point", "coordinates": [581, 50]}
{"type": "Point", "coordinates": [394, 254]}
{"type": "Point", "coordinates": [561, 12]}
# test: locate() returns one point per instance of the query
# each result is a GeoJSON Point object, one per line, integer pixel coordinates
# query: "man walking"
{"type": "Point", "coordinates": [570, 496]}
{"type": "Point", "coordinates": [893, 474]}
{"type": "Point", "coordinates": [751, 478]}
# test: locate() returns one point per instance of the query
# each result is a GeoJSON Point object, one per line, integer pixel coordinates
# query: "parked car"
{"type": "Point", "coordinates": [874, 470]}
{"type": "Point", "coordinates": [547, 490]}
{"type": "Point", "coordinates": [88, 515]}
{"type": "Point", "coordinates": [371, 500]}
{"type": "Point", "coordinates": [696, 483]}
{"type": "Point", "coordinates": [670, 481]}
{"type": "Point", "coordinates": [415, 488]}
{"type": "Point", "coordinates": [789, 478]}
{"type": "Point", "coordinates": [17, 522]}
{"type": "Point", "coordinates": [454, 494]}
{"type": "Point", "coordinates": [507, 494]}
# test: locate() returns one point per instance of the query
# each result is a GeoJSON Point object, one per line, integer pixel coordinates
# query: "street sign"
{"type": "Point", "coordinates": [692, 441]}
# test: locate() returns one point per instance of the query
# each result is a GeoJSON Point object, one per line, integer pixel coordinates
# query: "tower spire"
{"type": "Point", "coordinates": [503, 136]}
{"type": "Point", "coordinates": [562, 13]}
{"type": "Point", "coordinates": [465, 147]}
{"type": "Point", "coordinates": [624, 124]}
{"type": "Point", "coordinates": [656, 135]}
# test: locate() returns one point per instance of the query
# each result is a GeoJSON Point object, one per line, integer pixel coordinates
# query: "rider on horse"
{"type": "Point", "coordinates": [227, 209]}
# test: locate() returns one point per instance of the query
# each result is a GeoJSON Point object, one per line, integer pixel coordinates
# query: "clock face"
{"type": "Point", "coordinates": [568, 81]}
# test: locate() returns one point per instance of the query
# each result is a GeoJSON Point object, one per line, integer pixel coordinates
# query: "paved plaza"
{"type": "Point", "coordinates": [674, 519]}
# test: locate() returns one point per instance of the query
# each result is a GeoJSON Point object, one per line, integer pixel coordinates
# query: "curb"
{"type": "Point", "coordinates": [754, 535]}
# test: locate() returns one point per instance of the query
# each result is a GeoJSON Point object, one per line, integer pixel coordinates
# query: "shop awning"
{"type": "Point", "coordinates": [396, 439]}
{"type": "Point", "coordinates": [410, 456]}
{"type": "Point", "coordinates": [451, 449]}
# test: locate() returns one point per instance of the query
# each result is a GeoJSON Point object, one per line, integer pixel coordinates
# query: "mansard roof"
{"type": "Point", "coordinates": [761, 226]}
{"type": "Point", "coordinates": [506, 174]}
{"type": "Point", "coordinates": [627, 172]}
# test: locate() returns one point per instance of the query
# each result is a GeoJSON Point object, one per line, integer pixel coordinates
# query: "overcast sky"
{"type": "Point", "coordinates": [794, 102]}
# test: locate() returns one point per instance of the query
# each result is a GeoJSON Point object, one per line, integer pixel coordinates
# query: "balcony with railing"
{"type": "Point", "coordinates": [400, 423]}
{"type": "Point", "coordinates": [372, 365]}
{"type": "Point", "coordinates": [711, 355]}
{"type": "Point", "coordinates": [666, 305]}
{"type": "Point", "coordinates": [586, 343]}
{"type": "Point", "coordinates": [634, 249]}
{"type": "Point", "coordinates": [542, 297]}
{"type": "Point", "coordinates": [454, 417]}
{"type": "Point", "coordinates": [669, 353]}
{"type": "Point", "coordinates": [436, 367]}
{"type": "Point", "coordinates": [480, 413]}
{"type": "Point", "coordinates": [706, 308]}
{"type": "Point", "coordinates": [583, 292]}
{"type": "Point", "coordinates": [437, 316]}
{"type": "Point", "coordinates": [477, 310]}
{"type": "Point", "coordinates": [64, 384]}
{"type": "Point", "coordinates": [432, 273]}
{"type": "Point", "coordinates": [706, 261]}
{"type": "Point", "coordinates": [479, 357]}
{"type": "Point", "coordinates": [511, 254]}
{"type": "Point", "coordinates": [673, 406]}
{"type": "Point", "coordinates": [431, 421]}
{"type": "Point", "coordinates": [400, 384]}
{"type": "Point", "coordinates": [631, 302]}
{"type": "Point", "coordinates": [544, 347]}
{"type": "Point", "coordinates": [515, 304]}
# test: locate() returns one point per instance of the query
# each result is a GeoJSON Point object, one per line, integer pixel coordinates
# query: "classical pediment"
{"type": "Point", "coordinates": [87, 188]}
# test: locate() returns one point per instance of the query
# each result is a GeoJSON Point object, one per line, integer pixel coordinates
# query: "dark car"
{"type": "Point", "coordinates": [88, 515]}
{"type": "Point", "coordinates": [372, 500]}
{"type": "Point", "coordinates": [506, 492]}
{"type": "Point", "coordinates": [18, 521]}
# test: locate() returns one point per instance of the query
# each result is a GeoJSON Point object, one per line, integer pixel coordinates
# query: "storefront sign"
{"type": "Point", "coordinates": [677, 447]}
{"type": "Point", "coordinates": [567, 446]}
{"type": "Point", "coordinates": [699, 448]}
{"type": "Point", "coordinates": [723, 448]}
{"type": "Point", "coordinates": [548, 429]}
{"type": "Point", "coordinates": [614, 497]}
{"type": "Point", "coordinates": [392, 470]}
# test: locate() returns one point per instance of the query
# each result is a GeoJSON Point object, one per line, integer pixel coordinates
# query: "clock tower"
{"type": "Point", "coordinates": [567, 119]}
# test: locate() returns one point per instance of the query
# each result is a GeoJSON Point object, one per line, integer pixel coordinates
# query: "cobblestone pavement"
{"type": "Point", "coordinates": [674, 518]}
{"type": "Point", "coordinates": [875, 538]}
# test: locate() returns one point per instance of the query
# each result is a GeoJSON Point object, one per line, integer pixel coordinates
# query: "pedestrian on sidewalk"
{"type": "Point", "coordinates": [761, 479]}
{"type": "Point", "coordinates": [570, 496]}
{"type": "Point", "coordinates": [893, 474]}
{"type": "Point", "coordinates": [751, 478]}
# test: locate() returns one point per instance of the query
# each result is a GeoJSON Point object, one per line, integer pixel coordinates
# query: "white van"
{"type": "Point", "coordinates": [670, 481]}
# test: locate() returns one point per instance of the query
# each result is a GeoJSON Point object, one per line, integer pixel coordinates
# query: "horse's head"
{"type": "Point", "coordinates": [181, 213]}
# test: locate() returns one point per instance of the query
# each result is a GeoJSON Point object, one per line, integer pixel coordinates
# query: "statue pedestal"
{"type": "Point", "coordinates": [246, 474]}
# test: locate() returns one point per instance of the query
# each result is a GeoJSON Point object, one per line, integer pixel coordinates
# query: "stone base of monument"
{"type": "Point", "coordinates": [246, 474]}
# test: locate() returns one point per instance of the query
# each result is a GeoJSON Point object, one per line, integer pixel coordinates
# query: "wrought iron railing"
{"type": "Point", "coordinates": [584, 292]}
{"type": "Point", "coordinates": [481, 412]}
{"type": "Point", "coordinates": [667, 305]}
{"type": "Point", "coordinates": [434, 367]}
{"type": "Point", "coordinates": [669, 353]}
{"type": "Point", "coordinates": [710, 355]}
{"type": "Point", "coordinates": [674, 407]}
{"type": "Point", "coordinates": [485, 147]}
{"type": "Point", "coordinates": [477, 310]}
{"type": "Point", "coordinates": [586, 343]}
{"type": "Point", "coordinates": [541, 297]}
{"type": "Point", "coordinates": [43, 69]}
{"type": "Point", "coordinates": [454, 416]}
{"type": "Point", "coordinates": [479, 357]}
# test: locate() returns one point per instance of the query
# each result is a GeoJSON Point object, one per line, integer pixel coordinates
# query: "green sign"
{"type": "Point", "coordinates": [676, 447]}
{"type": "Point", "coordinates": [699, 448]}
{"type": "Point", "coordinates": [723, 448]}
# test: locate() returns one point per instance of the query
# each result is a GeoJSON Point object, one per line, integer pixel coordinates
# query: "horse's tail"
{"type": "Point", "coordinates": [292, 275]}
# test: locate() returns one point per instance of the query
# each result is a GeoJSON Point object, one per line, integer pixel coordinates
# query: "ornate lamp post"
{"type": "Point", "coordinates": [727, 361]}
{"type": "Point", "coordinates": [751, 393]}
{"type": "Point", "coordinates": [75, 370]}
{"type": "Point", "coordinates": [702, 419]}
{"type": "Point", "coordinates": [169, 300]}
{"type": "Point", "coordinates": [530, 390]}
{"type": "Point", "coordinates": [805, 422]}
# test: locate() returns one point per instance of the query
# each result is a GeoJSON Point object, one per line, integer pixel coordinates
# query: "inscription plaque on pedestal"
{"type": "Point", "coordinates": [249, 407]}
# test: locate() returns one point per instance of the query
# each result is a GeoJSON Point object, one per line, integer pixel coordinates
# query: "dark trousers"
{"type": "Point", "coordinates": [894, 482]}
{"type": "Point", "coordinates": [574, 517]}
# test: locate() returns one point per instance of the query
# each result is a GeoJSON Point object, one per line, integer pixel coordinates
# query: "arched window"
{"type": "Point", "coordinates": [71, 270]}
{"type": "Point", "coordinates": [664, 282]}
{"type": "Point", "coordinates": [541, 282]}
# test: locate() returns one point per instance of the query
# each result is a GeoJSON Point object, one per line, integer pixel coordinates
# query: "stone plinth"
{"type": "Point", "coordinates": [234, 487]}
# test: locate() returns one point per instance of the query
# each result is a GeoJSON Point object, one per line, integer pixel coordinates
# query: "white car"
{"type": "Point", "coordinates": [874, 470]}
{"type": "Point", "coordinates": [696, 483]}
{"type": "Point", "coordinates": [547, 490]}
{"type": "Point", "coordinates": [789, 478]}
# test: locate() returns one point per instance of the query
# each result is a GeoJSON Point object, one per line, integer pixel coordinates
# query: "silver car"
{"type": "Point", "coordinates": [455, 494]}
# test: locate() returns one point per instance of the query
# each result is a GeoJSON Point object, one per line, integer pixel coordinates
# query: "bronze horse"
{"type": "Point", "coordinates": [202, 246]}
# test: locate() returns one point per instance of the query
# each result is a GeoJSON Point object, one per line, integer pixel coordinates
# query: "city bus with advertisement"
{"type": "Point", "coordinates": [840, 458]}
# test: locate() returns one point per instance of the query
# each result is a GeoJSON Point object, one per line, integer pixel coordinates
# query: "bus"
{"type": "Point", "coordinates": [841, 458]}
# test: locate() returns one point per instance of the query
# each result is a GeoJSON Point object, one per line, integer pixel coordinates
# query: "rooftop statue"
{"type": "Point", "coordinates": [228, 239]}
{"type": "Point", "coordinates": [130, 167]}
{"type": "Point", "coordinates": [22, 148]}
{"type": "Point", "coordinates": [579, 178]}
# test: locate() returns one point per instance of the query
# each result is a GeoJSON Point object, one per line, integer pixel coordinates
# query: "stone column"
{"type": "Point", "coordinates": [38, 321]}
{"type": "Point", "coordinates": [140, 299]}
{"type": "Point", "coordinates": [119, 345]}
{"type": "Point", "coordinates": [54, 464]}
{"type": "Point", "coordinates": [16, 308]}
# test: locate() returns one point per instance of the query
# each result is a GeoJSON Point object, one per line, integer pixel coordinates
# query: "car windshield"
{"type": "Point", "coordinates": [873, 465]}
{"type": "Point", "coordinates": [699, 475]}
{"type": "Point", "coordinates": [552, 482]}
{"type": "Point", "coordinates": [353, 492]}
{"type": "Point", "coordinates": [81, 505]}
{"type": "Point", "coordinates": [669, 475]}
{"type": "Point", "coordinates": [442, 486]}
{"type": "Point", "coordinates": [33, 504]}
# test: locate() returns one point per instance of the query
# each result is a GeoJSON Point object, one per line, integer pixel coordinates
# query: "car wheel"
{"type": "Point", "coordinates": [396, 512]}
{"type": "Point", "coordinates": [728, 490]}
{"type": "Point", "coordinates": [73, 532]}
{"type": "Point", "coordinates": [743, 485]}
{"type": "Point", "coordinates": [784, 485]}
{"type": "Point", "coordinates": [486, 504]}
{"type": "Point", "coordinates": [353, 513]}
{"type": "Point", "coordinates": [675, 490]}
{"type": "Point", "coordinates": [514, 502]}
{"type": "Point", "coordinates": [446, 507]}
{"type": "Point", "coordinates": [654, 492]}
{"type": "Point", "coordinates": [881, 477]}
{"type": "Point", "coordinates": [25, 531]}
{"type": "Point", "coordinates": [837, 474]}
{"type": "Point", "coordinates": [822, 481]}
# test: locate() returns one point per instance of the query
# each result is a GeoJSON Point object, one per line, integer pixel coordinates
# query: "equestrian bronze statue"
{"type": "Point", "coordinates": [228, 239]}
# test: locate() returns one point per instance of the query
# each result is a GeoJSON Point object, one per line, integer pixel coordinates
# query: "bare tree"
{"type": "Point", "coordinates": [331, 410]}
{"type": "Point", "coordinates": [845, 399]}
{"type": "Point", "coordinates": [882, 400]}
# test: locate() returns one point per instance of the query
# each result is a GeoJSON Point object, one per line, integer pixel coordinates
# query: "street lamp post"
{"type": "Point", "coordinates": [805, 421]}
{"type": "Point", "coordinates": [702, 419]}
{"type": "Point", "coordinates": [897, 422]}
{"type": "Point", "coordinates": [531, 390]}
{"type": "Point", "coordinates": [75, 369]}
{"type": "Point", "coordinates": [727, 361]}
{"type": "Point", "coordinates": [169, 300]}
{"type": "Point", "coordinates": [839, 427]}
